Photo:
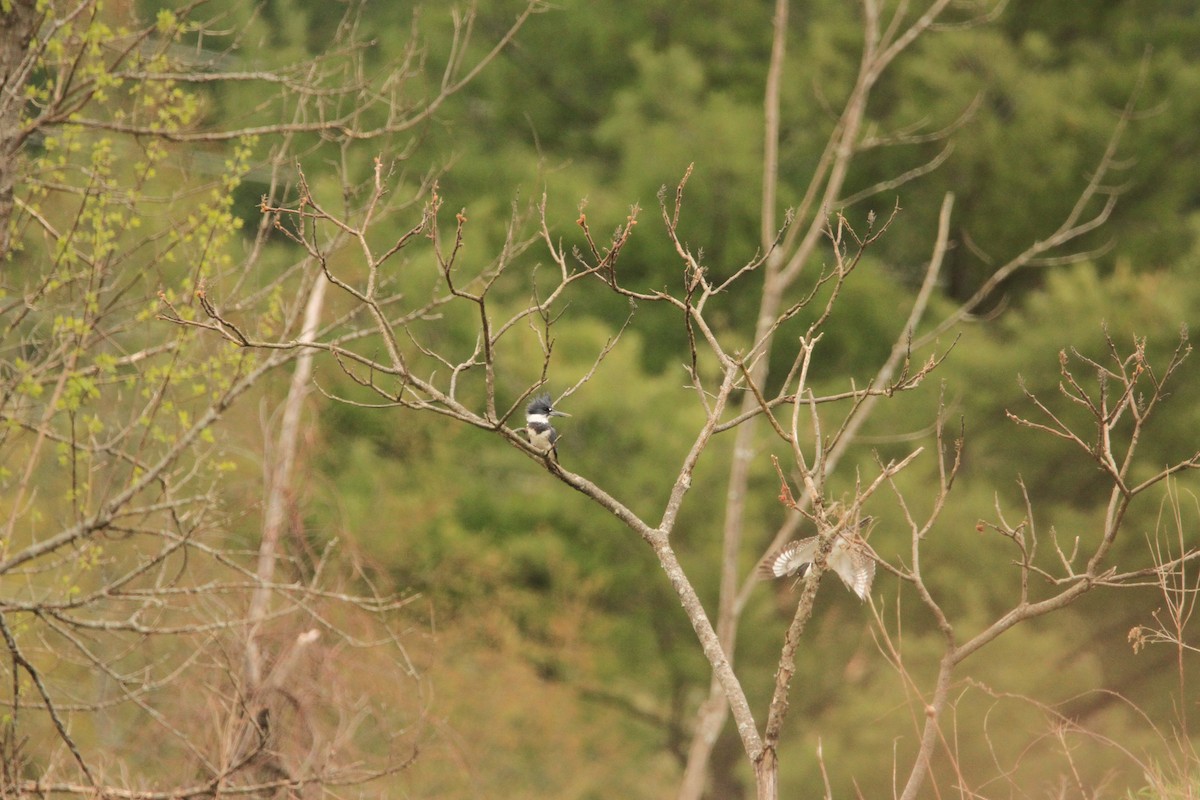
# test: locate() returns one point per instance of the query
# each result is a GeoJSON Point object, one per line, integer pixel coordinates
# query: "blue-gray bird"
{"type": "Point", "coordinates": [537, 425]}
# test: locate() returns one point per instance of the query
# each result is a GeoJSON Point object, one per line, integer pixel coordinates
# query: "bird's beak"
{"type": "Point", "coordinates": [559, 414]}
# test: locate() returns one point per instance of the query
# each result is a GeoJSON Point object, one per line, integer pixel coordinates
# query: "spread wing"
{"type": "Point", "coordinates": [791, 560]}
{"type": "Point", "coordinates": [855, 566]}
{"type": "Point", "coordinates": [850, 558]}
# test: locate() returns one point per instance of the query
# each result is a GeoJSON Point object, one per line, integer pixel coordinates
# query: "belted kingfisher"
{"type": "Point", "coordinates": [851, 558]}
{"type": "Point", "coordinates": [537, 425]}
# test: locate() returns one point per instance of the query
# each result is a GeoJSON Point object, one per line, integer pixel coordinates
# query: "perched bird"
{"type": "Point", "coordinates": [850, 558]}
{"type": "Point", "coordinates": [537, 425]}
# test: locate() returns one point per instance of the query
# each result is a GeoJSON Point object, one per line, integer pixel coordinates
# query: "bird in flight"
{"type": "Point", "coordinates": [851, 558]}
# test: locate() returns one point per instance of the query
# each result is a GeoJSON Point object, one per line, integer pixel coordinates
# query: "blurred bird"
{"type": "Point", "coordinates": [851, 558]}
{"type": "Point", "coordinates": [538, 428]}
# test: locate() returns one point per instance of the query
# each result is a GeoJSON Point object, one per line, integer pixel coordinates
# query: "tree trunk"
{"type": "Point", "coordinates": [766, 775]}
{"type": "Point", "coordinates": [279, 480]}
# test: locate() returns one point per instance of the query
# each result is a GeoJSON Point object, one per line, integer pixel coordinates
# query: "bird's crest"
{"type": "Point", "coordinates": [540, 404]}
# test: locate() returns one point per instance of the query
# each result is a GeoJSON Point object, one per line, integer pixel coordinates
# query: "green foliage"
{"type": "Point", "coordinates": [96, 249]}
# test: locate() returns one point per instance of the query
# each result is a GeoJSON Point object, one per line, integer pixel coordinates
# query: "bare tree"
{"type": "Point", "coordinates": [1120, 394]}
{"type": "Point", "coordinates": [469, 388]}
{"type": "Point", "coordinates": [149, 653]}
{"type": "Point", "coordinates": [790, 254]}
